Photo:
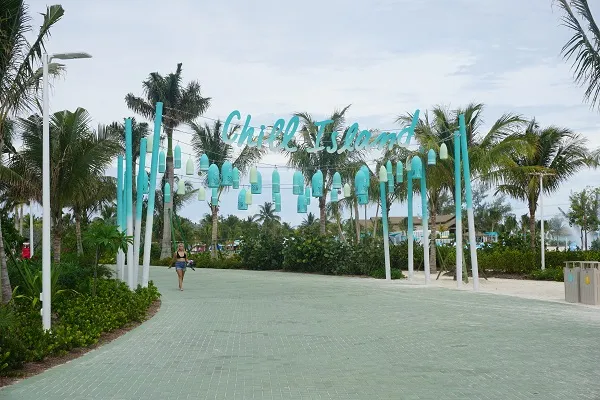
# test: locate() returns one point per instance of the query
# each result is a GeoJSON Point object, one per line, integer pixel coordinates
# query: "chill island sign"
{"type": "Point", "coordinates": [281, 134]}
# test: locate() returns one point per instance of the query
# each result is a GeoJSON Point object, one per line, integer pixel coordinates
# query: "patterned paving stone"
{"type": "Point", "coordinates": [266, 335]}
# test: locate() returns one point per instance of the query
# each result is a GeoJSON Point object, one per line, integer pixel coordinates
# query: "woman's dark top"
{"type": "Point", "coordinates": [181, 257]}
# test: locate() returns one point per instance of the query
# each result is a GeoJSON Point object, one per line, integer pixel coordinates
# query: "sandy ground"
{"type": "Point", "coordinates": [528, 289]}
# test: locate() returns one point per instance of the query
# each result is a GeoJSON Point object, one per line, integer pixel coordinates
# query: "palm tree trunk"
{"type": "Point", "coordinates": [322, 214]}
{"type": "Point", "coordinates": [21, 220]}
{"type": "Point", "coordinates": [375, 222]}
{"type": "Point", "coordinates": [338, 219]}
{"type": "Point", "coordinates": [4, 279]}
{"type": "Point", "coordinates": [357, 219]}
{"type": "Point", "coordinates": [215, 227]}
{"type": "Point", "coordinates": [78, 233]}
{"type": "Point", "coordinates": [56, 243]}
{"type": "Point", "coordinates": [432, 243]}
{"type": "Point", "coordinates": [168, 207]}
{"type": "Point", "coordinates": [532, 225]}
{"type": "Point", "coordinates": [16, 221]}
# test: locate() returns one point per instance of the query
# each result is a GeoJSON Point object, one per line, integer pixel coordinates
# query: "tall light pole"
{"type": "Point", "coordinates": [46, 273]}
{"type": "Point", "coordinates": [543, 244]}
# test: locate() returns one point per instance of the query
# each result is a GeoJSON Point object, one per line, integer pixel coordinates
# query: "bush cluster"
{"type": "Point", "coordinates": [79, 318]}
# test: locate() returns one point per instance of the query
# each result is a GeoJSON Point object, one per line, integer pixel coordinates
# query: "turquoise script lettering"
{"type": "Point", "coordinates": [281, 135]}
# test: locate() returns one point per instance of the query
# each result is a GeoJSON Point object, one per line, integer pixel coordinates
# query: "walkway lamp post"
{"type": "Point", "coordinates": [46, 316]}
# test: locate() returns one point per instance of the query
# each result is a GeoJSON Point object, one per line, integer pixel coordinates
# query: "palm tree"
{"type": "Point", "coordinates": [181, 104]}
{"type": "Point", "coordinates": [266, 215]}
{"type": "Point", "coordinates": [207, 140]}
{"type": "Point", "coordinates": [78, 158]}
{"type": "Point", "coordinates": [555, 150]}
{"type": "Point", "coordinates": [584, 46]}
{"type": "Point", "coordinates": [488, 152]}
{"type": "Point", "coordinates": [310, 162]}
{"type": "Point", "coordinates": [20, 79]}
{"type": "Point", "coordinates": [139, 130]}
{"type": "Point", "coordinates": [309, 220]}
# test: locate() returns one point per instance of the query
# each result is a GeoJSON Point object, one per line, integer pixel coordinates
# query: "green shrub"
{"type": "Point", "coordinates": [380, 274]}
{"type": "Point", "coordinates": [263, 253]}
{"type": "Point", "coordinates": [81, 319]}
{"type": "Point", "coordinates": [549, 274]}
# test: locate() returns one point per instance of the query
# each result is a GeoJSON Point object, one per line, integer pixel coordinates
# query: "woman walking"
{"type": "Point", "coordinates": [181, 260]}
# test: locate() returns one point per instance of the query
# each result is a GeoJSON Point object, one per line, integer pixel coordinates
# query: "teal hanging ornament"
{"type": "Point", "coordinates": [227, 174]}
{"type": "Point", "coordinates": [167, 193]}
{"type": "Point", "coordinates": [443, 152]}
{"type": "Point", "coordinates": [383, 174]}
{"type": "Point", "coordinates": [214, 180]}
{"type": "Point", "coordinates": [334, 196]}
{"type": "Point", "coordinates": [256, 188]}
{"type": "Point", "coordinates": [360, 183]}
{"type": "Point", "coordinates": [253, 175]}
{"type": "Point", "coordinates": [301, 207]}
{"type": "Point", "coordinates": [235, 173]}
{"type": "Point", "coordinates": [390, 175]}
{"type": "Point", "coordinates": [177, 160]}
{"type": "Point", "coordinates": [347, 190]}
{"type": "Point", "coordinates": [277, 201]}
{"type": "Point", "coordinates": [149, 143]}
{"type": "Point", "coordinates": [189, 167]}
{"type": "Point", "coordinates": [317, 184]}
{"type": "Point", "coordinates": [180, 187]}
{"type": "Point", "coordinates": [248, 197]}
{"type": "Point", "coordinates": [204, 163]}
{"type": "Point", "coordinates": [201, 194]}
{"type": "Point", "coordinates": [307, 195]}
{"type": "Point", "coordinates": [337, 181]}
{"type": "Point", "coordinates": [416, 166]}
{"type": "Point", "coordinates": [214, 198]}
{"type": "Point", "coordinates": [367, 173]}
{"type": "Point", "coordinates": [363, 199]}
{"type": "Point", "coordinates": [431, 157]}
{"type": "Point", "coordinates": [298, 187]}
{"type": "Point", "coordinates": [275, 181]}
{"type": "Point", "coordinates": [399, 172]}
{"type": "Point", "coordinates": [162, 162]}
{"type": "Point", "coordinates": [242, 200]}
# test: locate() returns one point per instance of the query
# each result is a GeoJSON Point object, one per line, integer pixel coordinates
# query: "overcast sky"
{"type": "Point", "coordinates": [268, 59]}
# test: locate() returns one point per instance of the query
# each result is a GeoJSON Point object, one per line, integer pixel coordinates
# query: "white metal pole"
{"type": "Point", "coordinates": [31, 229]}
{"type": "Point", "coordinates": [46, 273]}
{"type": "Point", "coordinates": [542, 221]}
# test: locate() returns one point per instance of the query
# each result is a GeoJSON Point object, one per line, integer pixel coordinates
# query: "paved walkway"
{"type": "Point", "coordinates": [266, 335]}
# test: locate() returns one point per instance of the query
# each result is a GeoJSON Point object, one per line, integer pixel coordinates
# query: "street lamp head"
{"type": "Point", "coordinates": [70, 56]}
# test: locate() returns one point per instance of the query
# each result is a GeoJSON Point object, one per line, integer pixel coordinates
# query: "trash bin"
{"type": "Point", "coordinates": [571, 275]}
{"type": "Point", "coordinates": [589, 286]}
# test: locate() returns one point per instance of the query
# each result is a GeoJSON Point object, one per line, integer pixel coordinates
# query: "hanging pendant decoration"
{"type": "Point", "coordinates": [149, 144]}
{"type": "Point", "coordinates": [347, 190]}
{"type": "Point", "coordinates": [256, 188]}
{"type": "Point", "coordinates": [242, 200]}
{"type": "Point", "coordinates": [248, 197]}
{"type": "Point", "coordinates": [277, 201]}
{"type": "Point", "coordinates": [399, 172]}
{"type": "Point", "coordinates": [443, 152]}
{"type": "Point", "coordinates": [201, 194]}
{"type": "Point", "coordinates": [167, 193]}
{"type": "Point", "coordinates": [360, 183]}
{"type": "Point", "coordinates": [431, 157]}
{"type": "Point", "coordinates": [180, 187]}
{"type": "Point", "coordinates": [253, 175]}
{"type": "Point", "coordinates": [301, 206]}
{"type": "Point", "coordinates": [162, 162]}
{"type": "Point", "coordinates": [227, 174]}
{"type": "Point", "coordinates": [214, 199]}
{"type": "Point", "coordinates": [416, 166]}
{"type": "Point", "coordinates": [317, 184]}
{"type": "Point", "coordinates": [298, 180]}
{"type": "Point", "coordinates": [307, 195]}
{"type": "Point", "coordinates": [204, 163]}
{"type": "Point", "coordinates": [337, 181]}
{"type": "Point", "coordinates": [177, 160]}
{"type": "Point", "coordinates": [235, 173]}
{"type": "Point", "coordinates": [275, 181]}
{"type": "Point", "coordinates": [214, 181]}
{"type": "Point", "coordinates": [189, 167]}
{"type": "Point", "coordinates": [390, 176]}
{"type": "Point", "coordinates": [334, 196]}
